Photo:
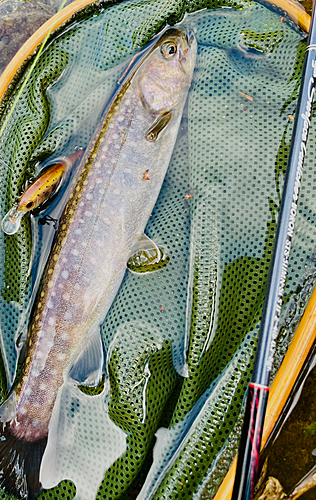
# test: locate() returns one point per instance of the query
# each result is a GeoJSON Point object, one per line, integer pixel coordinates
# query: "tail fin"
{"type": "Point", "coordinates": [20, 462]}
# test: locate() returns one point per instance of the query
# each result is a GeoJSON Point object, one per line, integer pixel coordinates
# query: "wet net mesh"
{"type": "Point", "coordinates": [179, 342]}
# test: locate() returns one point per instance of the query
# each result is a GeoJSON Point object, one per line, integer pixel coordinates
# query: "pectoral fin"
{"type": "Point", "coordinates": [146, 256]}
{"type": "Point", "coordinates": [159, 124]}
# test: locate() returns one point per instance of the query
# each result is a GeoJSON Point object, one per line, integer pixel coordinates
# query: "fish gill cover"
{"type": "Point", "coordinates": [179, 343]}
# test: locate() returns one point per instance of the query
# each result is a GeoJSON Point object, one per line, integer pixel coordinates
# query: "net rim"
{"type": "Point", "coordinates": [36, 39]}
{"type": "Point", "coordinates": [305, 334]}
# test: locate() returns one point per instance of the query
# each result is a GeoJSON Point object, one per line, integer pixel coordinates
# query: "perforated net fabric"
{"type": "Point", "coordinates": [180, 341]}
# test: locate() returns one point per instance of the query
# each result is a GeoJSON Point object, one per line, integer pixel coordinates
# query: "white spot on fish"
{"type": "Point", "coordinates": [50, 304]}
{"type": "Point", "coordinates": [81, 204]}
{"type": "Point", "coordinates": [68, 317]}
{"type": "Point", "coordinates": [41, 335]}
{"type": "Point", "coordinates": [66, 296]}
{"type": "Point", "coordinates": [64, 260]}
{"type": "Point", "coordinates": [89, 196]}
{"type": "Point", "coordinates": [43, 386]}
{"type": "Point", "coordinates": [78, 231]}
{"type": "Point", "coordinates": [52, 321]}
{"type": "Point", "coordinates": [88, 213]}
{"type": "Point", "coordinates": [61, 357]}
{"type": "Point", "coordinates": [28, 391]}
{"type": "Point", "coordinates": [120, 118]}
{"type": "Point", "coordinates": [65, 274]}
{"type": "Point", "coordinates": [75, 252]}
{"type": "Point", "coordinates": [23, 410]}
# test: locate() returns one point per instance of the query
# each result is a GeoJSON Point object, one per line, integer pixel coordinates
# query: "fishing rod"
{"type": "Point", "coordinates": [258, 389]}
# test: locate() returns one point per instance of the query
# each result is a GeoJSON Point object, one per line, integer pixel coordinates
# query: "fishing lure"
{"type": "Point", "coordinates": [38, 192]}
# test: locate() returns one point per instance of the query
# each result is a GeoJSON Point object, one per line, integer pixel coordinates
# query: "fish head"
{"type": "Point", "coordinates": [166, 74]}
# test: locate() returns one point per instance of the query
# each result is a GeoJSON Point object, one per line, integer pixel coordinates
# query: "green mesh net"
{"type": "Point", "coordinates": [179, 342]}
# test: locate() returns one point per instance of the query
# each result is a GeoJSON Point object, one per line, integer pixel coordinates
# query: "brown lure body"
{"type": "Point", "coordinates": [42, 188]}
{"type": "Point", "coordinates": [46, 183]}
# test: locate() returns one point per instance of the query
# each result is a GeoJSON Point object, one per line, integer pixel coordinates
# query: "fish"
{"type": "Point", "coordinates": [39, 191]}
{"type": "Point", "coordinates": [101, 227]}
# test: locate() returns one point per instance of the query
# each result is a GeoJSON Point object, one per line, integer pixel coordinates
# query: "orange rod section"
{"type": "Point", "coordinates": [36, 39]}
{"type": "Point", "coordinates": [300, 346]}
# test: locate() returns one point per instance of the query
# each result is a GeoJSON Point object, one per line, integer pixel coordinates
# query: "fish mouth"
{"type": "Point", "coordinates": [187, 46]}
{"type": "Point", "coordinates": [190, 38]}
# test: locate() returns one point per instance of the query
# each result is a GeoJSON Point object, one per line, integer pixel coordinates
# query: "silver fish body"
{"type": "Point", "coordinates": [121, 177]}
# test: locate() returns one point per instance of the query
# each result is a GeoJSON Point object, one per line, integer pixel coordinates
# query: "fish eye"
{"type": "Point", "coordinates": [30, 204]}
{"type": "Point", "coordinates": [168, 49]}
